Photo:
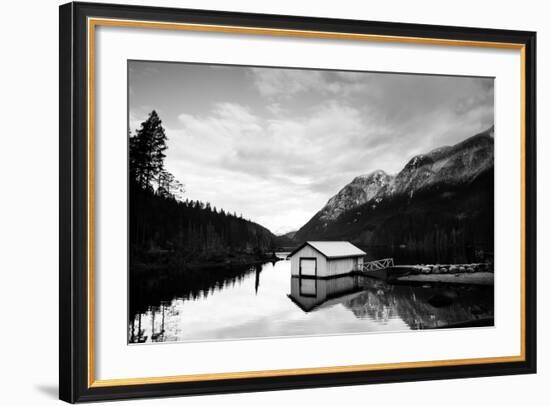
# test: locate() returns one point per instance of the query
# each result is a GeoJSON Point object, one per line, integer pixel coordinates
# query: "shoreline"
{"type": "Point", "coordinates": [480, 274]}
{"type": "Point", "coordinates": [446, 268]}
{"type": "Point", "coordinates": [478, 278]}
{"type": "Point", "coordinates": [193, 266]}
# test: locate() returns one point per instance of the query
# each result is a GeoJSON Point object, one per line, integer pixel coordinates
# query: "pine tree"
{"type": "Point", "coordinates": [147, 151]}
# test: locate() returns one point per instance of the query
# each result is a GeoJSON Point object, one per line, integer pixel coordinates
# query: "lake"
{"type": "Point", "coordinates": [265, 301]}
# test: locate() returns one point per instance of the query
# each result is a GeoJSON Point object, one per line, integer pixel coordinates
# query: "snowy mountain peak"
{"type": "Point", "coordinates": [377, 174]}
{"type": "Point", "coordinates": [361, 190]}
{"type": "Point", "coordinates": [454, 164]}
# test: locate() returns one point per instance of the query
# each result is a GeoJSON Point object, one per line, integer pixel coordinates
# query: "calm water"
{"type": "Point", "coordinates": [265, 301]}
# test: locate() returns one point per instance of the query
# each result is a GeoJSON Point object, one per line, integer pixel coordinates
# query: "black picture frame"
{"type": "Point", "coordinates": [74, 382]}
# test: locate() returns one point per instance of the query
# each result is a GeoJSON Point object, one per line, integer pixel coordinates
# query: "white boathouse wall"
{"type": "Point", "coordinates": [325, 267]}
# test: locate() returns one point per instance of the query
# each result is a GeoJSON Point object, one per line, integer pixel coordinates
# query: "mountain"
{"type": "Point", "coordinates": [457, 164]}
{"type": "Point", "coordinates": [438, 207]}
{"type": "Point", "coordinates": [361, 190]}
{"type": "Point", "coordinates": [285, 241]}
{"type": "Point", "coordinates": [290, 235]}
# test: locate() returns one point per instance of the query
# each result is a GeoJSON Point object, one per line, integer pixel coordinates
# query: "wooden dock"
{"type": "Point", "coordinates": [377, 265]}
{"type": "Point", "coordinates": [383, 269]}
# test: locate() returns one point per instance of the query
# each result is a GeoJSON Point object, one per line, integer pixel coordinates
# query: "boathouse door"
{"type": "Point", "coordinates": [308, 267]}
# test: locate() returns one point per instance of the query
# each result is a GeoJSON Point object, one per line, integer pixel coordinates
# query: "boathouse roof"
{"type": "Point", "coordinates": [332, 249]}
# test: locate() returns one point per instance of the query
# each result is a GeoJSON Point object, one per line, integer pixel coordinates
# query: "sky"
{"type": "Point", "coordinates": [274, 144]}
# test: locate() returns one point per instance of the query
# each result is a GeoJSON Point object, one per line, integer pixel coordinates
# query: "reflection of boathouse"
{"type": "Point", "coordinates": [322, 259]}
{"type": "Point", "coordinates": [313, 293]}
{"type": "Point", "coordinates": [419, 307]}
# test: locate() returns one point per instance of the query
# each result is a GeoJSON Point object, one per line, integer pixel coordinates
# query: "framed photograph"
{"type": "Point", "coordinates": [257, 202]}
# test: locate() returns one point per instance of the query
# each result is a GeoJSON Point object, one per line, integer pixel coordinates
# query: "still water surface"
{"type": "Point", "coordinates": [265, 301]}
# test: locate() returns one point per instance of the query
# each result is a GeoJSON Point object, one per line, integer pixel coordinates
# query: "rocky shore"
{"type": "Point", "coordinates": [476, 278]}
{"type": "Point", "coordinates": [450, 268]}
{"type": "Point", "coordinates": [474, 274]}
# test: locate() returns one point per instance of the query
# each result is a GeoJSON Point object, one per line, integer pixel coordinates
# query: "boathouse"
{"type": "Point", "coordinates": [324, 259]}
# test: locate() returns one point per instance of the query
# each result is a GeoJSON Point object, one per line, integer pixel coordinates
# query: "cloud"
{"type": "Point", "coordinates": [259, 165]}
{"type": "Point", "coordinates": [274, 108]}
{"type": "Point", "coordinates": [278, 143]}
{"type": "Point", "coordinates": [294, 149]}
{"type": "Point", "coordinates": [285, 83]}
{"type": "Point", "coordinates": [279, 82]}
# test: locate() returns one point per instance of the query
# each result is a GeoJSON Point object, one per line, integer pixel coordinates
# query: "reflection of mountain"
{"type": "Point", "coordinates": [424, 307]}
{"type": "Point", "coordinates": [419, 307]}
{"type": "Point", "coordinates": [438, 208]}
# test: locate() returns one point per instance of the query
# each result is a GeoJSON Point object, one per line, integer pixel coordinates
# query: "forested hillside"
{"type": "Point", "coordinates": [438, 209]}
{"type": "Point", "coordinates": [165, 229]}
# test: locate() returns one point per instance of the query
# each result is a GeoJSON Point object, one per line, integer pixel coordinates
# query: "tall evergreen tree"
{"type": "Point", "coordinates": [161, 221]}
{"type": "Point", "coordinates": [147, 151]}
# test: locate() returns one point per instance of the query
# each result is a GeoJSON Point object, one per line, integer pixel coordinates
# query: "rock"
{"type": "Point", "coordinates": [453, 269]}
{"type": "Point", "coordinates": [470, 269]}
{"type": "Point", "coordinates": [461, 269]}
{"type": "Point", "coordinates": [436, 269]}
{"type": "Point", "coordinates": [426, 270]}
{"type": "Point", "coordinates": [443, 269]}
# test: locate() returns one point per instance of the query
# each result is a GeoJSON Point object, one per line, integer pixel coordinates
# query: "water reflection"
{"type": "Point", "coordinates": [315, 293]}
{"type": "Point", "coordinates": [420, 307]}
{"type": "Point", "coordinates": [265, 301]}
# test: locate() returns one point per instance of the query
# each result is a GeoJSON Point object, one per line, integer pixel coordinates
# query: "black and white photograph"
{"type": "Point", "coordinates": [275, 203]}
{"type": "Point", "coordinates": [280, 202]}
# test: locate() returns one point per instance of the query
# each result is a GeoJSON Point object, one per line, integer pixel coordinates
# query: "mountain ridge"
{"type": "Point", "coordinates": [446, 182]}
{"type": "Point", "coordinates": [443, 164]}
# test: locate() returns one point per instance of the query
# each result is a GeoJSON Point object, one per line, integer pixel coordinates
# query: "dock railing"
{"type": "Point", "coordinates": [377, 265]}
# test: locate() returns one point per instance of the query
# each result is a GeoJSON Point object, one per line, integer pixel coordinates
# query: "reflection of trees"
{"type": "Point", "coordinates": [158, 315]}
{"type": "Point", "coordinates": [152, 297]}
{"type": "Point", "coordinates": [137, 334]}
{"type": "Point", "coordinates": [258, 269]}
{"type": "Point", "coordinates": [151, 291]}
{"type": "Point", "coordinates": [418, 306]}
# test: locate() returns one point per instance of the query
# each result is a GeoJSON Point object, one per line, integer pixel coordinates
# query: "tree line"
{"type": "Point", "coordinates": [165, 228]}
